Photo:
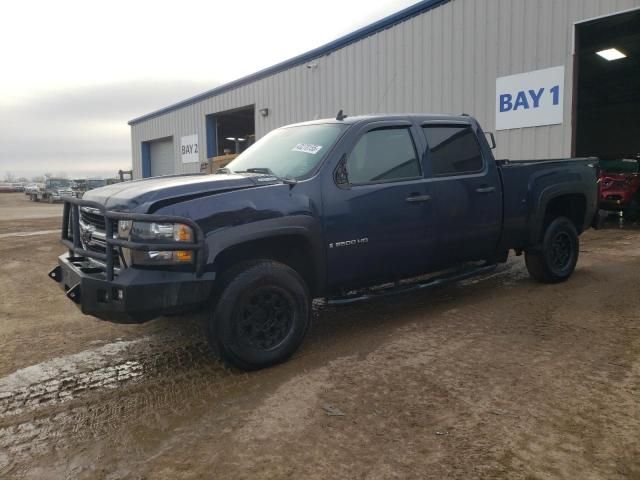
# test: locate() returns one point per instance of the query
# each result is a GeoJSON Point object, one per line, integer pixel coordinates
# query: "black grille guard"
{"type": "Point", "coordinates": [71, 234]}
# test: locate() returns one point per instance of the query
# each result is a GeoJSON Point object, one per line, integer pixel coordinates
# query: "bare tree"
{"type": "Point", "coordinates": [38, 179]}
{"type": "Point", "coordinates": [9, 177]}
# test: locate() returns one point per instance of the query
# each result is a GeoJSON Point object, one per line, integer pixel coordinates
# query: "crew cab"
{"type": "Point", "coordinates": [620, 185]}
{"type": "Point", "coordinates": [327, 209]}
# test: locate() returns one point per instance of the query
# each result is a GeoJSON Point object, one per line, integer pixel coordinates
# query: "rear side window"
{"type": "Point", "coordinates": [453, 149]}
{"type": "Point", "coordinates": [383, 155]}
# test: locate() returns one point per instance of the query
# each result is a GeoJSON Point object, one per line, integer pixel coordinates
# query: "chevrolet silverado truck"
{"type": "Point", "coordinates": [341, 209]}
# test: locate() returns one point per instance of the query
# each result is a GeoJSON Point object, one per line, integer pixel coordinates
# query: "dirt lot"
{"type": "Point", "coordinates": [498, 377]}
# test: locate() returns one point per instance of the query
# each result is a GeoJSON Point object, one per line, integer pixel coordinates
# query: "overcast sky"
{"type": "Point", "coordinates": [74, 72]}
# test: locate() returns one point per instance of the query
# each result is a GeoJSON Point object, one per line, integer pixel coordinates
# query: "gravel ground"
{"type": "Point", "coordinates": [496, 377]}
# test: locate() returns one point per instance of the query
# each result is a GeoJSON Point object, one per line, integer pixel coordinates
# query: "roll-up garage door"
{"type": "Point", "coordinates": [162, 157]}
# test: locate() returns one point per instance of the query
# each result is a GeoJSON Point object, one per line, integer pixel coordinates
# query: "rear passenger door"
{"type": "Point", "coordinates": [467, 193]}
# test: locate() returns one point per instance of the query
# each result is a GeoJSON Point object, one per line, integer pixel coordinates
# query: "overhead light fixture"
{"type": "Point", "coordinates": [264, 112]}
{"type": "Point", "coordinates": [237, 141]}
{"type": "Point", "coordinates": [611, 54]}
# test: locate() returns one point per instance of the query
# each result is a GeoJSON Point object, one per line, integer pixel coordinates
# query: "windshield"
{"type": "Point", "coordinates": [624, 165]}
{"type": "Point", "coordinates": [290, 152]}
{"type": "Point", "coordinates": [59, 183]}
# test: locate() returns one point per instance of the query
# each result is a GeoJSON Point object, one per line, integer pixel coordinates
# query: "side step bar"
{"type": "Point", "coordinates": [410, 287]}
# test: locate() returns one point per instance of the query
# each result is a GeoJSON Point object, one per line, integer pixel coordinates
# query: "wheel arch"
{"type": "Point", "coordinates": [296, 242]}
{"type": "Point", "coordinates": [568, 200]}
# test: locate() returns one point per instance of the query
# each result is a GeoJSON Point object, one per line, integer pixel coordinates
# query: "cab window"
{"type": "Point", "coordinates": [383, 155]}
{"type": "Point", "coordinates": [452, 149]}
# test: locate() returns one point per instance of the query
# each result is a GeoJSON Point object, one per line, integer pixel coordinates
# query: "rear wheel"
{"type": "Point", "coordinates": [261, 315]}
{"type": "Point", "coordinates": [556, 260]}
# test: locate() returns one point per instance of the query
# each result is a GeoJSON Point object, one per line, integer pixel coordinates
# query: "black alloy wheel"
{"type": "Point", "coordinates": [264, 318]}
{"type": "Point", "coordinates": [561, 251]}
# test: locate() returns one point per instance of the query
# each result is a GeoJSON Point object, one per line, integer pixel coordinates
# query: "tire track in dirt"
{"type": "Point", "coordinates": [67, 405]}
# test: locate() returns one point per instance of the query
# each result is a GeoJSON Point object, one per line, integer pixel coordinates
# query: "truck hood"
{"type": "Point", "coordinates": [141, 195]}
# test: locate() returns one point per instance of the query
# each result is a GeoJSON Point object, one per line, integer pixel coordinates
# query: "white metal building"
{"type": "Point", "coordinates": [533, 71]}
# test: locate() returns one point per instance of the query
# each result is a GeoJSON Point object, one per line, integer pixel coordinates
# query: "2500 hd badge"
{"type": "Point", "coordinates": [349, 243]}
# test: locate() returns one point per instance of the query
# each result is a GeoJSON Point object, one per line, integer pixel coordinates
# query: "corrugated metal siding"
{"type": "Point", "coordinates": [445, 60]}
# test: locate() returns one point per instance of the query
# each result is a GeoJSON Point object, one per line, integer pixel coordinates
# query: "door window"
{"type": "Point", "coordinates": [453, 149]}
{"type": "Point", "coordinates": [383, 155]}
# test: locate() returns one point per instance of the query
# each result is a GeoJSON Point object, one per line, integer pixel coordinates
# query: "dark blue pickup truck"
{"type": "Point", "coordinates": [327, 209]}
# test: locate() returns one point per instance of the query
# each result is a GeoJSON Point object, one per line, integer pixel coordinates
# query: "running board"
{"type": "Point", "coordinates": [432, 282]}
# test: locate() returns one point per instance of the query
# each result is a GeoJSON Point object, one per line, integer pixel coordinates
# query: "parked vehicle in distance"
{"type": "Point", "coordinates": [323, 209]}
{"type": "Point", "coordinates": [619, 181]}
{"type": "Point", "coordinates": [80, 187]}
{"type": "Point", "coordinates": [32, 188]}
{"type": "Point", "coordinates": [54, 190]}
{"type": "Point", "coordinates": [12, 187]}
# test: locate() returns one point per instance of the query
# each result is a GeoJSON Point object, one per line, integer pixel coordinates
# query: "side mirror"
{"type": "Point", "coordinates": [491, 139]}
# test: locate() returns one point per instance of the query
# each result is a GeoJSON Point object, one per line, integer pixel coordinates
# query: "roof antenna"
{"type": "Point", "coordinates": [341, 116]}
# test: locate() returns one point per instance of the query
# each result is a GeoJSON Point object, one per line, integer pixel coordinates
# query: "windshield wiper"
{"type": "Point", "coordinates": [268, 171]}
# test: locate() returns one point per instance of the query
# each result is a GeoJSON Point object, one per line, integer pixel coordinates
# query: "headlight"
{"type": "Point", "coordinates": [152, 232]}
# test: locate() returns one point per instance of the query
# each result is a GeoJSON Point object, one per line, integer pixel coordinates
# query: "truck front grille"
{"type": "Point", "coordinates": [93, 217]}
{"type": "Point", "coordinates": [93, 235]}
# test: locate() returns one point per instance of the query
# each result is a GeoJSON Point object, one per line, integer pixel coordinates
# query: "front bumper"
{"type": "Point", "coordinates": [134, 296]}
{"type": "Point", "coordinates": [92, 280]}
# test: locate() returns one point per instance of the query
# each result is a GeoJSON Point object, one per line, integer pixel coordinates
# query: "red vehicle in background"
{"type": "Point", "coordinates": [619, 184]}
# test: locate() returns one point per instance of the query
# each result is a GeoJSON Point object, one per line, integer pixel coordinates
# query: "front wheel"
{"type": "Point", "coordinates": [556, 260]}
{"type": "Point", "coordinates": [261, 316]}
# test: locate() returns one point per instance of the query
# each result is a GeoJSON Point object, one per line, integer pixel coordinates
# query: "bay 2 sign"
{"type": "Point", "coordinates": [189, 149]}
{"type": "Point", "coordinates": [530, 99]}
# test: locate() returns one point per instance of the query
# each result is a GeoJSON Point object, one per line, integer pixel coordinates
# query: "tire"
{"type": "Point", "coordinates": [556, 260]}
{"type": "Point", "coordinates": [632, 212]}
{"type": "Point", "coordinates": [261, 315]}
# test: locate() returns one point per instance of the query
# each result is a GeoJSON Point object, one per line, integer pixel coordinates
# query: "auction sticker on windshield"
{"type": "Point", "coordinates": [307, 148]}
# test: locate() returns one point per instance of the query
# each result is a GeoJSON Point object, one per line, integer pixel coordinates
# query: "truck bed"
{"type": "Point", "coordinates": [525, 184]}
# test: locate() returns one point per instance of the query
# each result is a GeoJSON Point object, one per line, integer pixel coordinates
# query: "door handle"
{"type": "Point", "coordinates": [418, 198]}
{"type": "Point", "coordinates": [486, 189]}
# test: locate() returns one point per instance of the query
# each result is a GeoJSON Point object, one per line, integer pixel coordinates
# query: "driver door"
{"type": "Point", "coordinates": [378, 210]}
